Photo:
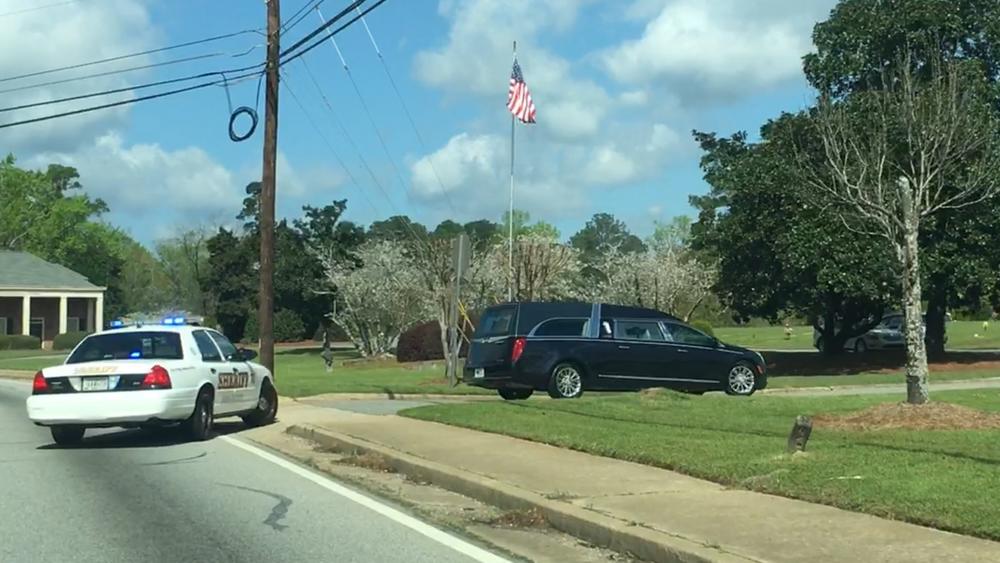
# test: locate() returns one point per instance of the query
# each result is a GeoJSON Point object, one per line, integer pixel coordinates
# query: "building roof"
{"type": "Point", "coordinates": [20, 270]}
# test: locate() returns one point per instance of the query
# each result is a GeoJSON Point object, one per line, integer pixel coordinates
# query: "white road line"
{"type": "Point", "coordinates": [444, 538]}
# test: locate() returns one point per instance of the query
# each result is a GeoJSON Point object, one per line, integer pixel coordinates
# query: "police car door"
{"type": "Point", "coordinates": [213, 362]}
{"type": "Point", "coordinates": [241, 380]}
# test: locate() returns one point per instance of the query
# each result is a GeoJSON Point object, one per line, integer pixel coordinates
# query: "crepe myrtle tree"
{"type": "Point", "coordinates": [669, 280]}
{"type": "Point", "coordinates": [895, 156]}
{"type": "Point", "coordinates": [380, 295]}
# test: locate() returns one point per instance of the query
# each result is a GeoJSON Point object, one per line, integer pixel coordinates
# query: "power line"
{"type": "Point", "coordinates": [368, 113]}
{"type": "Point", "coordinates": [110, 105]}
{"type": "Point", "coordinates": [361, 157]}
{"type": "Point", "coordinates": [132, 55]}
{"type": "Point", "coordinates": [224, 81]}
{"type": "Point", "coordinates": [409, 116]}
{"type": "Point", "coordinates": [137, 87]}
{"type": "Point", "coordinates": [112, 72]}
{"type": "Point", "coordinates": [301, 14]}
{"type": "Point", "coordinates": [37, 8]}
{"type": "Point", "coordinates": [326, 141]}
{"type": "Point", "coordinates": [323, 27]}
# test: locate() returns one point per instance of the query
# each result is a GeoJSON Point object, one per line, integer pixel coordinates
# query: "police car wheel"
{"type": "Point", "coordinates": [267, 407]}
{"type": "Point", "coordinates": [199, 426]}
{"type": "Point", "coordinates": [67, 435]}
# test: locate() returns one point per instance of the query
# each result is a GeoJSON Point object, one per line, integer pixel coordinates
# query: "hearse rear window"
{"type": "Point", "coordinates": [563, 327]}
{"type": "Point", "coordinates": [496, 322]}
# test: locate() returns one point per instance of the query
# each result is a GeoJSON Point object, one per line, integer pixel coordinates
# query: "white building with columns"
{"type": "Point", "coordinates": [45, 299]}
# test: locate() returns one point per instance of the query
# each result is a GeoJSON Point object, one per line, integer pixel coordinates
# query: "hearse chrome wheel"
{"type": "Point", "coordinates": [566, 382]}
{"type": "Point", "coordinates": [741, 380]}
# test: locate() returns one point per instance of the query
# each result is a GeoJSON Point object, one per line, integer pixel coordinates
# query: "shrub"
{"type": "Point", "coordinates": [68, 340]}
{"type": "Point", "coordinates": [288, 326]}
{"type": "Point", "coordinates": [337, 333]}
{"type": "Point", "coordinates": [703, 326]}
{"type": "Point", "coordinates": [19, 342]}
{"type": "Point", "coordinates": [422, 342]}
{"type": "Point", "coordinates": [250, 330]}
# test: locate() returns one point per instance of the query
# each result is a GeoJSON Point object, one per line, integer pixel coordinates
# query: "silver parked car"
{"type": "Point", "coordinates": [886, 335]}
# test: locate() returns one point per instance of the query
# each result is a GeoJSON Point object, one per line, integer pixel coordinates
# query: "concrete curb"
{"type": "Point", "coordinates": [596, 528]}
{"type": "Point", "coordinates": [16, 374]}
{"type": "Point", "coordinates": [393, 397]}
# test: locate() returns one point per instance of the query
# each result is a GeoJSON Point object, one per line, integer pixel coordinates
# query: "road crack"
{"type": "Point", "coordinates": [279, 511]}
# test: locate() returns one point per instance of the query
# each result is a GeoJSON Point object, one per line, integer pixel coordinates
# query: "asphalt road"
{"type": "Point", "coordinates": [128, 495]}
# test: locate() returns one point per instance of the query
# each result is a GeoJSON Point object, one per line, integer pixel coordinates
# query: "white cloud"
{"type": "Point", "coordinates": [78, 32]}
{"type": "Point", "coordinates": [552, 180]}
{"type": "Point", "coordinates": [719, 49]}
{"type": "Point", "coordinates": [634, 98]}
{"type": "Point", "coordinates": [142, 180]}
{"type": "Point", "coordinates": [476, 59]}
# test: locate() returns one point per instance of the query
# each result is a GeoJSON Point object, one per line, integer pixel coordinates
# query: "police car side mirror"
{"type": "Point", "coordinates": [243, 355]}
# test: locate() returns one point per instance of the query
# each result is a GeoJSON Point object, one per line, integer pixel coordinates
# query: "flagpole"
{"type": "Point", "coordinates": [510, 216]}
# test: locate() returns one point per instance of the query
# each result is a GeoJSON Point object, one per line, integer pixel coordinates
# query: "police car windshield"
{"type": "Point", "coordinates": [128, 346]}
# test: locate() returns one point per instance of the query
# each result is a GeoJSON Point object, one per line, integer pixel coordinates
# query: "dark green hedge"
{"type": "Point", "coordinates": [68, 340]}
{"type": "Point", "coordinates": [19, 342]}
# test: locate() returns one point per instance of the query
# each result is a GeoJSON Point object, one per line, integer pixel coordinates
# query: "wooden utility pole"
{"type": "Point", "coordinates": [265, 313]}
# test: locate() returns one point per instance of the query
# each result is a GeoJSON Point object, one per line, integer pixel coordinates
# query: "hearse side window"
{"type": "Point", "coordinates": [687, 335]}
{"type": "Point", "coordinates": [563, 327]}
{"type": "Point", "coordinates": [639, 330]}
{"type": "Point", "coordinates": [496, 322]}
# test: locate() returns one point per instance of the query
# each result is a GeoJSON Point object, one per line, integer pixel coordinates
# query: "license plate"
{"type": "Point", "coordinates": [95, 384]}
{"type": "Point", "coordinates": [480, 373]}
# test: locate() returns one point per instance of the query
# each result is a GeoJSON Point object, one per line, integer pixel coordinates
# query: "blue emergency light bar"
{"type": "Point", "coordinates": [174, 321]}
{"type": "Point", "coordinates": [117, 323]}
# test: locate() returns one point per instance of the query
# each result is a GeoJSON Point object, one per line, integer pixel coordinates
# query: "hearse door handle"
{"type": "Point", "coordinates": [623, 347]}
{"type": "Point", "coordinates": [682, 350]}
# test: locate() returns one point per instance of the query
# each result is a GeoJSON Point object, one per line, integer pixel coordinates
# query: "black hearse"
{"type": "Point", "coordinates": [564, 348]}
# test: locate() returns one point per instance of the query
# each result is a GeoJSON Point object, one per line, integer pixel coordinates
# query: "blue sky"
{"type": "Point", "coordinates": [618, 86]}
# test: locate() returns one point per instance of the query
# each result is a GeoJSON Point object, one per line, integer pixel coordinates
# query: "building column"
{"type": "Point", "coordinates": [62, 314]}
{"type": "Point", "coordinates": [99, 313]}
{"type": "Point", "coordinates": [26, 315]}
{"type": "Point", "coordinates": [90, 327]}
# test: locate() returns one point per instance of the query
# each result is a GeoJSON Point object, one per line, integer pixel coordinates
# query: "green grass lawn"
{"type": "Point", "coordinates": [935, 478]}
{"type": "Point", "coordinates": [30, 360]}
{"type": "Point", "coordinates": [303, 374]}
{"type": "Point", "coordinates": [961, 335]}
{"type": "Point", "coordinates": [767, 337]}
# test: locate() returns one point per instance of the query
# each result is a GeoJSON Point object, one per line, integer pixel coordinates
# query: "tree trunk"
{"type": "Point", "coordinates": [443, 325]}
{"type": "Point", "coordinates": [936, 308]}
{"type": "Point", "coordinates": [916, 350]}
{"type": "Point", "coordinates": [831, 338]}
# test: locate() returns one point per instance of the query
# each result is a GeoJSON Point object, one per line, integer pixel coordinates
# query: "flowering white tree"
{"type": "Point", "coordinates": [667, 280]}
{"type": "Point", "coordinates": [544, 269]}
{"type": "Point", "coordinates": [378, 300]}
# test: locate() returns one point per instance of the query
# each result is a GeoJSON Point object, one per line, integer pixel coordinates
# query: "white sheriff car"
{"type": "Point", "coordinates": [152, 375]}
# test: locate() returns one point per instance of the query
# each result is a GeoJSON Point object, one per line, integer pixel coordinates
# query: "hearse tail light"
{"type": "Point", "coordinates": [518, 349]}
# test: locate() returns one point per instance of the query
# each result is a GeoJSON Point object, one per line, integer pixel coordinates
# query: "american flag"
{"type": "Point", "coordinates": [518, 98]}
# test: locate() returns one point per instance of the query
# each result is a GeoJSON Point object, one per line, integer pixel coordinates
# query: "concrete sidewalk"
{"type": "Point", "coordinates": [654, 513]}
